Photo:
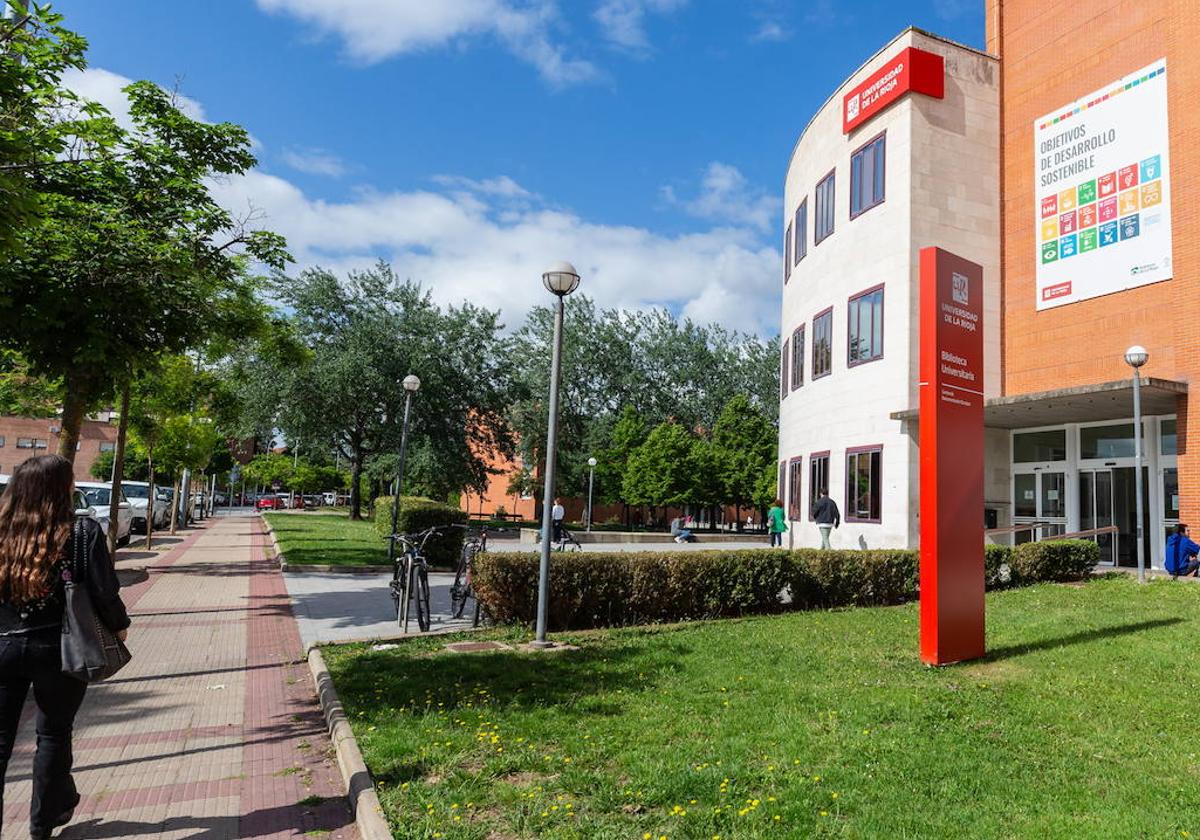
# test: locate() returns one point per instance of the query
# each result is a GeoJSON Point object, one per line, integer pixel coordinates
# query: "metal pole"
{"type": "Point", "coordinates": [548, 487]}
{"type": "Point", "coordinates": [591, 481]}
{"type": "Point", "coordinates": [399, 477]}
{"type": "Point", "coordinates": [1137, 443]}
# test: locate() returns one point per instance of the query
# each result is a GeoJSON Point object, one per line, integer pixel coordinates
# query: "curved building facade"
{"type": "Point", "coordinates": [904, 155]}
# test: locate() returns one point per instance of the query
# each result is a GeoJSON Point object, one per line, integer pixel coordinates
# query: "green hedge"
{"type": "Point", "coordinates": [417, 514]}
{"type": "Point", "coordinates": [621, 588]}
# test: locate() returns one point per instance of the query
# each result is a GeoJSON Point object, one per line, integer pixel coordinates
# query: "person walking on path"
{"type": "Point", "coordinates": [37, 516]}
{"type": "Point", "coordinates": [557, 515]}
{"type": "Point", "coordinates": [776, 526]}
{"type": "Point", "coordinates": [825, 512]}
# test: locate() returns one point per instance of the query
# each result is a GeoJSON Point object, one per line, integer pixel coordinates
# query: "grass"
{"type": "Point", "coordinates": [332, 539]}
{"type": "Point", "coordinates": [1080, 723]}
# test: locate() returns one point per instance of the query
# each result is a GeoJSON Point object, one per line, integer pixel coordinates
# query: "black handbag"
{"type": "Point", "coordinates": [90, 651]}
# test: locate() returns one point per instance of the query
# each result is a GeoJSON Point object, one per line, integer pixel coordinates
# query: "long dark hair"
{"type": "Point", "coordinates": [36, 513]}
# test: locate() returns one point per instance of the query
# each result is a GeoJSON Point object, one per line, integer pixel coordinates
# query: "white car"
{"type": "Point", "coordinates": [99, 496]}
{"type": "Point", "coordinates": [138, 494]}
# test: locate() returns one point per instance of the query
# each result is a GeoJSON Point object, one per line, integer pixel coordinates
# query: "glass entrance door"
{"type": "Point", "coordinates": [1125, 515]}
{"type": "Point", "coordinates": [1096, 510]}
{"type": "Point", "coordinates": [1040, 497]}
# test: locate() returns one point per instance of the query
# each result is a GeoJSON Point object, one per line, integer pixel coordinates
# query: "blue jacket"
{"type": "Point", "coordinates": [1178, 551]}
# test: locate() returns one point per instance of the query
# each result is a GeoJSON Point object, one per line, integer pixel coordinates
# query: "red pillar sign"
{"type": "Point", "coordinates": [951, 439]}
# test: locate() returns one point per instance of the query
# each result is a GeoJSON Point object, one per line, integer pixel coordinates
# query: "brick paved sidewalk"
{"type": "Point", "coordinates": [213, 731]}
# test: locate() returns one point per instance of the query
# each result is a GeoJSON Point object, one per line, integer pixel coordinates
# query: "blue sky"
{"type": "Point", "coordinates": [471, 142]}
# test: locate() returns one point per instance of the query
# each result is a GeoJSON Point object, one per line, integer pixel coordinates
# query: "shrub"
{"type": "Point", "coordinates": [417, 514]}
{"type": "Point", "coordinates": [1054, 560]}
{"type": "Point", "coordinates": [854, 578]}
{"type": "Point", "coordinates": [997, 566]}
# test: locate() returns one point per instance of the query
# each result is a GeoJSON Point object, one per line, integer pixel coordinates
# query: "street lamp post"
{"type": "Point", "coordinates": [591, 483]}
{"type": "Point", "coordinates": [411, 383]}
{"type": "Point", "coordinates": [1135, 357]}
{"type": "Point", "coordinates": [560, 280]}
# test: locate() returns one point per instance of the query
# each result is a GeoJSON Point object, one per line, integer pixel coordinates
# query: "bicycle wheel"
{"type": "Point", "coordinates": [460, 590]}
{"type": "Point", "coordinates": [422, 593]}
{"type": "Point", "coordinates": [397, 587]}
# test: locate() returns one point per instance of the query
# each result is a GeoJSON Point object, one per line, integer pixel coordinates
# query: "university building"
{"type": "Point", "coordinates": [1047, 160]}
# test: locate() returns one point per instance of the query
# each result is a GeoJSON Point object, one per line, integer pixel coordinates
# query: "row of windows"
{"type": "Point", "coordinates": [41, 443]}
{"type": "Point", "coordinates": [864, 340]}
{"type": "Point", "coordinates": [867, 189]}
{"type": "Point", "coordinates": [1115, 440]}
{"type": "Point", "coordinates": [864, 480]}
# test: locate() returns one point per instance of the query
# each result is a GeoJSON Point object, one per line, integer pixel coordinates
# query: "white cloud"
{"type": "Point", "coordinates": [482, 248]}
{"type": "Point", "coordinates": [314, 162]}
{"type": "Point", "coordinates": [622, 22]}
{"type": "Point", "coordinates": [771, 31]}
{"type": "Point", "coordinates": [951, 9]}
{"type": "Point", "coordinates": [726, 197]}
{"type": "Point", "coordinates": [374, 30]}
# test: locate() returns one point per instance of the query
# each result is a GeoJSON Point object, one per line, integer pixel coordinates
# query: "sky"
{"type": "Point", "coordinates": [472, 143]}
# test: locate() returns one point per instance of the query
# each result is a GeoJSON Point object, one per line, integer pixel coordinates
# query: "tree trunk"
{"type": "Point", "coordinates": [355, 476]}
{"type": "Point", "coordinates": [175, 506]}
{"type": "Point", "coordinates": [75, 400]}
{"type": "Point", "coordinates": [118, 474]}
{"type": "Point", "coordinates": [151, 505]}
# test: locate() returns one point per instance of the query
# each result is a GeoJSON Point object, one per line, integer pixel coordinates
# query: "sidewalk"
{"type": "Point", "coordinates": [213, 731]}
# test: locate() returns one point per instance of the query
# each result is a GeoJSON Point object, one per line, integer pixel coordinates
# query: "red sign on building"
{"type": "Point", "coordinates": [951, 458]}
{"type": "Point", "coordinates": [912, 71]}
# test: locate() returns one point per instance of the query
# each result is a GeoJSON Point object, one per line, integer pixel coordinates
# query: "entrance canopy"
{"type": "Point", "coordinates": [1081, 404]}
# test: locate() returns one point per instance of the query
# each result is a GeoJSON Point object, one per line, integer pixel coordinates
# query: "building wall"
{"type": "Point", "coordinates": [941, 164]}
{"type": "Point", "coordinates": [92, 434]}
{"type": "Point", "coordinates": [1052, 52]}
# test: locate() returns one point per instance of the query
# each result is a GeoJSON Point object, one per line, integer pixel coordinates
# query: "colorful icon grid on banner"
{"type": "Point", "coordinates": [1101, 211]}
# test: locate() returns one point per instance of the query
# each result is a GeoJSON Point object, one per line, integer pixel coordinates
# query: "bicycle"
{"type": "Point", "coordinates": [461, 591]}
{"type": "Point", "coordinates": [410, 578]}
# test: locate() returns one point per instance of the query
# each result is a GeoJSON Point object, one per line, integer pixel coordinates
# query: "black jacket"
{"type": "Point", "coordinates": [825, 512]}
{"type": "Point", "coordinates": [101, 582]}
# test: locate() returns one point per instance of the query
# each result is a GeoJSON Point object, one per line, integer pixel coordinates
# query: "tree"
{"type": "Point", "coordinates": [135, 464]}
{"type": "Point", "coordinates": [660, 471]}
{"type": "Point", "coordinates": [744, 443]}
{"type": "Point", "coordinates": [22, 393]}
{"type": "Point", "coordinates": [187, 442]}
{"type": "Point", "coordinates": [35, 50]}
{"type": "Point", "coordinates": [131, 256]}
{"type": "Point", "coordinates": [365, 335]}
{"type": "Point", "coordinates": [268, 469]}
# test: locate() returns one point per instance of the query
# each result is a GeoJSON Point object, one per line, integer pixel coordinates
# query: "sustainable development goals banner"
{"type": "Point", "coordinates": [1102, 191]}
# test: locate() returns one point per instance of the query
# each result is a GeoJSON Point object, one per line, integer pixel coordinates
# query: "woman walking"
{"type": "Point", "coordinates": [37, 530]}
{"type": "Point", "coordinates": [776, 525]}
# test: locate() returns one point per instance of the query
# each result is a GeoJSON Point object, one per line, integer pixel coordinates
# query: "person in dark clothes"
{"type": "Point", "coordinates": [36, 546]}
{"type": "Point", "coordinates": [827, 516]}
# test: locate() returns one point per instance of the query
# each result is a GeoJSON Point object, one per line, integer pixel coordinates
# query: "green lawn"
{"type": "Point", "coordinates": [327, 538]}
{"type": "Point", "coordinates": [1079, 724]}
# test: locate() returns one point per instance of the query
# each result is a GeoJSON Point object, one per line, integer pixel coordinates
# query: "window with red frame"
{"type": "Point", "coordinates": [783, 371]}
{"type": "Point", "coordinates": [795, 490]}
{"type": "Point", "coordinates": [818, 478]}
{"type": "Point", "coordinates": [787, 254]}
{"type": "Point", "coordinates": [864, 333]}
{"type": "Point", "coordinates": [863, 484]}
{"type": "Point", "coordinates": [822, 358]}
{"type": "Point", "coordinates": [800, 246]}
{"type": "Point", "coordinates": [798, 357]}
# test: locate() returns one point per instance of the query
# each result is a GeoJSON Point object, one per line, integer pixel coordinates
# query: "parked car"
{"type": "Point", "coordinates": [99, 496]}
{"type": "Point", "coordinates": [138, 494]}
{"type": "Point", "coordinates": [270, 503]}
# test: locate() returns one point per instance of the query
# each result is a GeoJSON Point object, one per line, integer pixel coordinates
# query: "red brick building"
{"type": "Point", "coordinates": [24, 437]}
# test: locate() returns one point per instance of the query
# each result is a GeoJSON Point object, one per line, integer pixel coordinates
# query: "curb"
{"type": "Point", "coordinates": [274, 542]}
{"type": "Point", "coordinates": [360, 789]}
{"type": "Point", "coordinates": [326, 569]}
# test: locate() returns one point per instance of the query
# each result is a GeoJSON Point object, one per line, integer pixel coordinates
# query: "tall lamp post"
{"type": "Point", "coordinates": [411, 383]}
{"type": "Point", "coordinates": [591, 483]}
{"type": "Point", "coordinates": [1135, 357]}
{"type": "Point", "coordinates": [560, 280]}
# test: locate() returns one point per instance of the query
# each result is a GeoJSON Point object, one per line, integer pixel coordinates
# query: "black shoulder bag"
{"type": "Point", "coordinates": [90, 651]}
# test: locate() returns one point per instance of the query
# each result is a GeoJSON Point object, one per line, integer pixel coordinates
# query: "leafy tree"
{"type": "Point", "coordinates": [269, 468]}
{"type": "Point", "coordinates": [35, 50]}
{"type": "Point", "coordinates": [187, 442]}
{"type": "Point", "coordinates": [130, 255]}
{"type": "Point", "coordinates": [744, 443]}
{"type": "Point", "coordinates": [365, 335]}
{"type": "Point", "coordinates": [24, 394]}
{"type": "Point", "coordinates": [135, 464]}
{"type": "Point", "coordinates": [660, 471]}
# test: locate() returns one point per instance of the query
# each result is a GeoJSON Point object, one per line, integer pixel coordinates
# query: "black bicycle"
{"type": "Point", "coordinates": [474, 544]}
{"type": "Point", "coordinates": [410, 578]}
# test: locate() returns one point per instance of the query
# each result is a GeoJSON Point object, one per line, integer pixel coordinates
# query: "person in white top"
{"type": "Point", "coordinates": [557, 515]}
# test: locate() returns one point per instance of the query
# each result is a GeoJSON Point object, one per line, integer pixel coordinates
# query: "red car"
{"type": "Point", "coordinates": [270, 503]}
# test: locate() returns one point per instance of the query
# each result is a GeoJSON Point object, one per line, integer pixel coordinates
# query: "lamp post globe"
{"type": "Point", "coordinates": [591, 462]}
{"type": "Point", "coordinates": [1135, 357]}
{"type": "Point", "coordinates": [411, 382]}
{"type": "Point", "coordinates": [561, 279]}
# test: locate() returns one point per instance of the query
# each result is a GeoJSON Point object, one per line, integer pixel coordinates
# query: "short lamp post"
{"type": "Point", "coordinates": [560, 280]}
{"type": "Point", "coordinates": [1135, 357]}
{"type": "Point", "coordinates": [411, 383]}
{"type": "Point", "coordinates": [591, 484]}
